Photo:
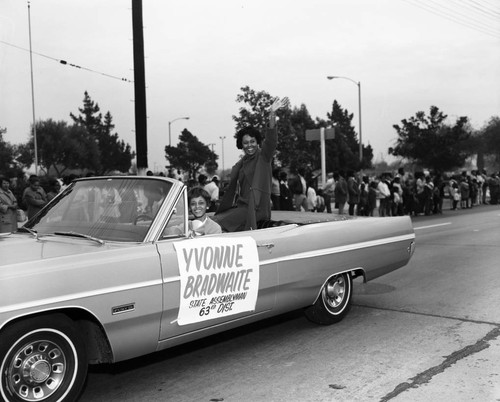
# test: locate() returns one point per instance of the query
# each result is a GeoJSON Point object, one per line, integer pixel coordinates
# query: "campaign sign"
{"type": "Point", "coordinates": [219, 277]}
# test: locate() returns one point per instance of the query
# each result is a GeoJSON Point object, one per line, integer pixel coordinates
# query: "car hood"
{"type": "Point", "coordinates": [22, 248]}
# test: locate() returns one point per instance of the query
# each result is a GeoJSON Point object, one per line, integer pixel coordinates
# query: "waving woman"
{"type": "Point", "coordinates": [247, 199]}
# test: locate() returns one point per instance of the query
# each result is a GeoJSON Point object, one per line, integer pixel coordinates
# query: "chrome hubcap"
{"type": "Point", "coordinates": [37, 370]}
{"type": "Point", "coordinates": [335, 291]}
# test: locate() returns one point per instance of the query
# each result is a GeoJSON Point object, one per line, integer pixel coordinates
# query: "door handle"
{"type": "Point", "coordinates": [269, 246]}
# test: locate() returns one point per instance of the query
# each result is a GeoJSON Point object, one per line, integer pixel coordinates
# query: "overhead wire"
{"type": "Point", "coordinates": [467, 13]}
{"type": "Point", "coordinates": [458, 17]}
{"type": "Point", "coordinates": [493, 7]}
{"type": "Point", "coordinates": [66, 63]}
{"type": "Point", "coordinates": [479, 24]}
{"type": "Point", "coordinates": [483, 8]}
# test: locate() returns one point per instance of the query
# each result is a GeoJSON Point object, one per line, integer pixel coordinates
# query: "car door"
{"type": "Point", "coordinates": [211, 281]}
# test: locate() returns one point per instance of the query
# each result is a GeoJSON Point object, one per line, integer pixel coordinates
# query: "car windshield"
{"type": "Point", "coordinates": [114, 209]}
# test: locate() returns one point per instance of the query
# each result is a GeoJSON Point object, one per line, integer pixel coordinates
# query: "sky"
{"type": "Point", "coordinates": [407, 55]}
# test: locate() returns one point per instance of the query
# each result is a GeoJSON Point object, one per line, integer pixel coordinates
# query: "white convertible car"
{"type": "Point", "coordinates": [99, 275]}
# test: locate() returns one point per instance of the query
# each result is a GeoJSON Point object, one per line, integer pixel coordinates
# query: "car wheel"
{"type": "Point", "coordinates": [42, 359]}
{"type": "Point", "coordinates": [334, 301]}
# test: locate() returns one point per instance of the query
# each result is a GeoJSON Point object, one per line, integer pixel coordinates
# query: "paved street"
{"type": "Point", "coordinates": [429, 331]}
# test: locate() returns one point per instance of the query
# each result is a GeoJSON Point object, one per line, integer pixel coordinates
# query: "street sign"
{"type": "Point", "coordinates": [315, 134]}
{"type": "Point", "coordinates": [330, 133]}
{"type": "Point", "coordinates": [321, 134]}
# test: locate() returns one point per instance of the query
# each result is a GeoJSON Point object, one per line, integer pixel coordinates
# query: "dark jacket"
{"type": "Point", "coordinates": [258, 172]}
{"type": "Point", "coordinates": [296, 186]}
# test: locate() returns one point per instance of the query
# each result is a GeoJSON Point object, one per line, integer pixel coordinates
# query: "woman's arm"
{"type": "Point", "coordinates": [271, 140]}
{"type": "Point", "coordinates": [277, 104]}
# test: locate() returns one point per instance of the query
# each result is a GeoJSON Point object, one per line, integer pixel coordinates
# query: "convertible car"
{"type": "Point", "coordinates": [108, 271]}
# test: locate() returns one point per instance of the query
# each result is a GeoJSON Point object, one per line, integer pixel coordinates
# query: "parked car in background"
{"type": "Point", "coordinates": [108, 271]}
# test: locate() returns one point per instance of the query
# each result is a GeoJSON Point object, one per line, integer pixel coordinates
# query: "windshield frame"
{"type": "Point", "coordinates": [116, 220]}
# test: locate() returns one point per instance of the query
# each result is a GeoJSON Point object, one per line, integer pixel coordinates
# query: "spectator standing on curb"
{"type": "Point", "coordinates": [472, 190]}
{"type": "Point", "coordinates": [8, 207]}
{"type": "Point", "coordinates": [34, 196]}
{"type": "Point", "coordinates": [485, 186]}
{"type": "Point", "coordinates": [340, 191]}
{"type": "Point", "coordinates": [494, 185]}
{"type": "Point", "coordinates": [438, 196]}
{"type": "Point", "coordinates": [286, 203]}
{"type": "Point", "coordinates": [476, 175]}
{"type": "Point", "coordinates": [420, 186]}
{"type": "Point", "coordinates": [464, 192]}
{"type": "Point", "coordinates": [454, 194]}
{"type": "Point", "coordinates": [372, 197]}
{"type": "Point", "coordinates": [312, 200]}
{"type": "Point", "coordinates": [352, 191]}
{"type": "Point", "coordinates": [53, 188]}
{"type": "Point", "coordinates": [320, 201]}
{"type": "Point", "coordinates": [328, 192]}
{"type": "Point", "coordinates": [428, 195]}
{"type": "Point", "coordinates": [397, 197]}
{"type": "Point", "coordinates": [299, 187]}
{"type": "Point", "coordinates": [363, 197]}
{"type": "Point", "coordinates": [383, 194]}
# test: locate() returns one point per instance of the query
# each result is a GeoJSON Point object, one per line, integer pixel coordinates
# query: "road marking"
{"type": "Point", "coordinates": [432, 226]}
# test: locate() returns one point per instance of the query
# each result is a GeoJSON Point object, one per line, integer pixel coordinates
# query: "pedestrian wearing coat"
{"type": "Point", "coordinates": [34, 196]}
{"type": "Point", "coordinates": [8, 208]}
{"type": "Point", "coordinates": [340, 191]}
{"type": "Point", "coordinates": [298, 186]}
{"type": "Point", "coordinates": [353, 192]}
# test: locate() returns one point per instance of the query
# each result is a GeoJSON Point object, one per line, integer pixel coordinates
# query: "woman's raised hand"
{"type": "Point", "coordinates": [279, 104]}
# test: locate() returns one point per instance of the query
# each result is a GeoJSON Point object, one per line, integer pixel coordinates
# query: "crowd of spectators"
{"type": "Point", "coordinates": [389, 194]}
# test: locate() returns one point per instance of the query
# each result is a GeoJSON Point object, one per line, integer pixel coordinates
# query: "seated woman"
{"type": "Point", "coordinates": [247, 199]}
{"type": "Point", "coordinates": [199, 200]}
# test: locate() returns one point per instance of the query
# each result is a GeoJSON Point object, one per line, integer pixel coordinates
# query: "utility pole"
{"type": "Point", "coordinates": [141, 132]}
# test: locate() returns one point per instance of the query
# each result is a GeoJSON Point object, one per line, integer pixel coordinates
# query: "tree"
{"type": "Point", "coordinates": [90, 116]}
{"type": "Point", "coordinates": [491, 136]}
{"type": "Point", "coordinates": [343, 152]}
{"type": "Point", "coordinates": [293, 149]}
{"type": "Point", "coordinates": [190, 154]}
{"type": "Point", "coordinates": [259, 103]}
{"type": "Point", "coordinates": [9, 163]}
{"type": "Point", "coordinates": [60, 147]}
{"type": "Point", "coordinates": [7, 155]}
{"type": "Point", "coordinates": [113, 154]}
{"type": "Point", "coordinates": [427, 140]}
{"type": "Point", "coordinates": [255, 112]}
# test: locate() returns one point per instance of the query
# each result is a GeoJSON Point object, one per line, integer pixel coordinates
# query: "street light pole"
{"type": "Point", "coordinates": [222, 139]}
{"type": "Point", "coordinates": [358, 83]}
{"type": "Point", "coordinates": [32, 93]}
{"type": "Point", "coordinates": [169, 132]}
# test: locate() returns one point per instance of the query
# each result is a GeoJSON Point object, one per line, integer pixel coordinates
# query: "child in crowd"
{"type": "Point", "coordinates": [199, 200]}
